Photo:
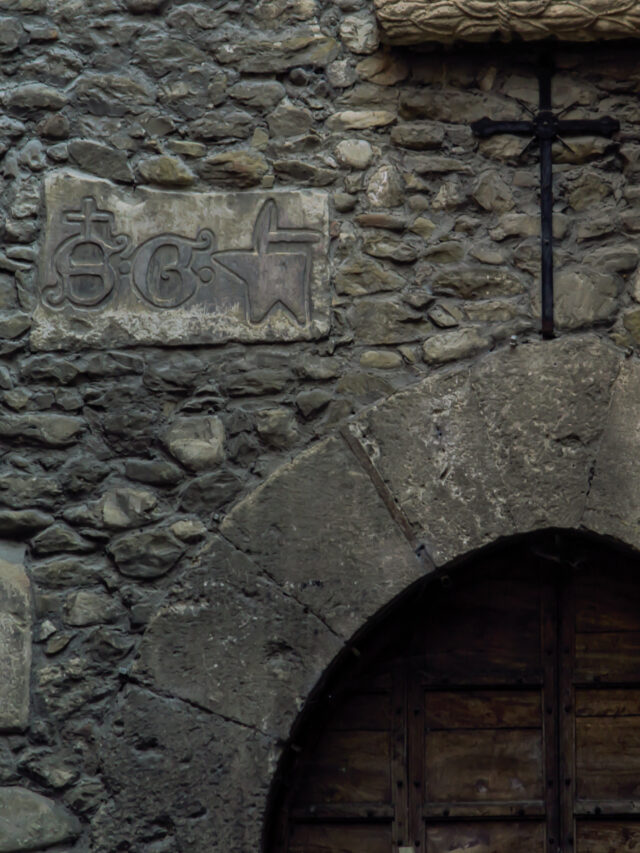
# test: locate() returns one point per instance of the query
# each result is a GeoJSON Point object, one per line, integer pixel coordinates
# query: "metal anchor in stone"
{"type": "Point", "coordinates": [545, 126]}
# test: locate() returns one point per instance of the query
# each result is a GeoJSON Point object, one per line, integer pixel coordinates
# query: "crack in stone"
{"type": "Point", "coordinates": [160, 694]}
{"type": "Point", "coordinates": [382, 489]}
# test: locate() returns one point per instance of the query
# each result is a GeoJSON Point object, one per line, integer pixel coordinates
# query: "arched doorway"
{"type": "Point", "coordinates": [495, 709]}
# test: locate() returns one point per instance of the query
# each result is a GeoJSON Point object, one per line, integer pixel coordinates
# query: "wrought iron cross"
{"type": "Point", "coordinates": [545, 127]}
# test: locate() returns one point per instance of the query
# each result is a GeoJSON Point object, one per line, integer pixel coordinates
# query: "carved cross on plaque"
{"type": "Point", "coordinates": [544, 127]}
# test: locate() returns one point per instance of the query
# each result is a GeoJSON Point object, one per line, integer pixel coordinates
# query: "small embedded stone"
{"type": "Point", "coordinates": [166, 171]}
{"type": "Point", "coordinates": [276, 427]}
{"type": "Point", "coordinates": [381, 359]}
{"type": "Point", "coordinates": [36, 822]}
{"type": "Point", "coordinates": [344, 202]}
{"type": "Point", "coordinates": [419, 136]}
{"type": "Point", "coordinates": [306, 173]}
{"type": "Point", "coordinates": [423, 227]}
{"type": "Point", "coordinates": [91, 608]}
{"type": "Point", "coordinates": [447, 252]}
{"type": "Point", "coordinates": [395, 250]}
{"type": "Point", "coordinates": [385, 187]}
{"type": "Point", "coordinates": [127, 507]}
{"type": "Point", "coordinates": [449, 346]}
{"type": "Point", "coordinates": [383, 69]}
{"type": "Point", "coordinates": [14, 324]}
{"type": "Point", "coordinates": [197, 442]}
{"type": "Point", "coordinates": [359, 32]}
{"type": "Point", "coordinates": [100, 160]}
{"type": "Point", "coordinates": [209, 492]}
{"type": "Point", "coordinates": [43, 427]}
{"type": "Point", "coordinates": [234, 168]}
{"type": "Point", "coordinates": [140, 7]}
{"type": "Point", "coordinates": [23, 522]}
{"type": "Point", "coordinates": [36, 96]}
{"type": "Point", "coordinates": [262, 94]}
{"type": "Point", "coordinates": [54, 126]}
{"type": "Point", "coordinates": [154, 472]}
{"type": "Point", "coordinates": [360, 119]}
{"type": "Point", "coordinates": [356, 153]}
{"type": "Point", "coordinates": [381, 220]}
{"type": "Point", "coordinates": [146, 554]}
{"type": "Point", "coordinates": [189, 530]}
{"type": "Point", "coordinates": [492, 193]}
{"type": "Point", "coordinates": [310, 403]}
{"type": "Point", "coordinates": [59, 537]}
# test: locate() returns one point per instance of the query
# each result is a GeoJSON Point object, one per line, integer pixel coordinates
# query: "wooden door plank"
{"type": "Point", "coordinates": [550, 704]}
{"type": "Point", "coordinates": [350, 838]}
{"type": "Point", "coordinates": [486, 837]}
{"type": "Point", "coordinates": [608, 757]}
{"type": "Point", "coordinates": [488, 709]}
{"type": "Point", "coordinates": [485, 764]}
{"type": "Point", "coordinates": [566, 710]}
{"type": "Point", "coordinates": [608, 837]}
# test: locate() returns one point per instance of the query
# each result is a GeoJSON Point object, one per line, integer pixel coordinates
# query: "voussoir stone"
{"type": "Point", "coordinates": [15, 648]}
{"type": "Point", "coordinates": [613, 505]}
{"type": "Point", "coordinates": [269, 639]}
{"type": "Point", "coordinates": [29, 821]}
{"type": "Point", "coordinates": [546, 413]}
{"type": "Point", "coordinates": [344, 573]}
{"type": "Point", "coordinates": [146, 554]}
{"type": "Point", "coordinates": [198, 442]}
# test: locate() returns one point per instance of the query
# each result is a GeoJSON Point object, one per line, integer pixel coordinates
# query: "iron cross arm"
{"type": "Point", "coordinates": [544, 127]}
{"type": "Point", "coordinates": [547, 126]}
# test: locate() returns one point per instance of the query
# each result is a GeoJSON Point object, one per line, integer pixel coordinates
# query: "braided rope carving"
{"type": "Point", "coordinates": [414, 21]}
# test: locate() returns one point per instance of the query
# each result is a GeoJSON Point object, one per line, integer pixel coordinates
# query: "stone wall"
{"type": "Point", "coordinates": [207, 524]}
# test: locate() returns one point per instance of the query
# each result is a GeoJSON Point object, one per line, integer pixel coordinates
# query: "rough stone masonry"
{"type": "Point", "coordinates": [232, 234]}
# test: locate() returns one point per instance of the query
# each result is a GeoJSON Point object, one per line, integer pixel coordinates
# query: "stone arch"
{"type": "Point", "coordinates": [542, 435]}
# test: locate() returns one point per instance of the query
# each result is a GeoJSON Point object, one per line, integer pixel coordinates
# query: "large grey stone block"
{"type": "Point", "coordinates": [29, 821]}
{"type": "Point", "coordinates": [430, 445]}
{"type": "Point", "coordinates": [545, 405]}
{"type": "Point", "coordinates": [231, 641]}
{"type": "Point", "coordinates": [149, 266]}
{"type": "Point", "coordinates": [15, 641]}
{"type": "Point", "coordinates": [319, 527]}
{"type": "Point", "coordinates": [613, 504]}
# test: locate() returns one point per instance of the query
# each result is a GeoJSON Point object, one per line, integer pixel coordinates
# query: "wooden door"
{"type": "Point", "coordinates": [498, 711]}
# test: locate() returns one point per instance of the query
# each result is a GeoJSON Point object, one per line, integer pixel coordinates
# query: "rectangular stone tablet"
{"type": "Point", "coordinates": [122, 267]}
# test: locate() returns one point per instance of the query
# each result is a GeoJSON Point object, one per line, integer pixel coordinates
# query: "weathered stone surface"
{"type": "Point", "coordinates": [289, 120]}
{"type": "Point", "coordinates": [210, 492]}
{"type": "Point", "coordinates": [453, 345]}
{"type": "Point", "coordinates": [146, 554]}
{"type": "Point", "coordinates": [307, 174]}
{"type": "Point", "coordinates": [197, 442]}
{"type": "Point", "coordinates": [23, 522]}
{"type": "Point", "coordinates": [360, 119]}
{"type": "Point", "coordinates": [42, 427]}
{"type": "Point", "coordinates": [385, 187]}
{"type": "Point", "coordinates": [100, 160]}
{"type": "Point", "coordinates": [266, 254]}
{"type": "Point", "coordinates": [88, 607]}
{"type": "Point", "coordinates": [362, 275]}
{"type": "Point", "coordinates": [29, 821]}
{"type": "Point", "coordinates": [477, 283]}
{"type": "Point", "coordinates": [234, 168]}
{"type": "Point", "coordinates": [127, 507]}
{"type": "Point", "coordinates": [418, 135]}
{"type": "Point", "coordinates": [582, 297]}
{"type": "Point", "coordinates": [415, 21]}
{"type": "Point", "coordinates": [359, 32]}
{"type": "Point", "coordinates": [197, 765]}
{"type": "Point", "coordinates": [613, 502]}
{"type": "Point", "coordinates": [298, 48]}
{"type": "Point", "coordinates": [384, 68]}
{"type": "Point", "coordinates": [324, 565]}
{"type": "Point", "coordinates": [264, 94]}
{"type": "Point", "coordinates": [35, 96]}
{"type": "Point", "coordinates": [166, 170]}
{"type": "Point", "coordinates": [492, 193]}
{"type": "Point", "coordinates": [15, 647]}
{"type": "Point", "coordinates": [356, 153]}
{"type": "Point", "coordinates": [546, 414]}
{"type": "Point", "coordinates": [438, 465]}
{"type": "Point", "coordinates": [24, 490]}
{"type": "Point", "coordinates": [58, 538]}
{"type": "Point", "coordinates": [269, 640]}
{"type": "Point", "coordinates": [385, 322]}
{"type": "Point", "coordinates": [154, 472]}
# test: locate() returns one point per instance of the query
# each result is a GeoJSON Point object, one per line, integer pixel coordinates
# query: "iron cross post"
{"type": "Point", "coordinates": [544, 127]}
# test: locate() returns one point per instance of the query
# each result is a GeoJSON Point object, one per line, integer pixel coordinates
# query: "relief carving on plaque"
{"type": "Point", "coordinates": [156, 266]}
{"type": "Point", "coordinates": [415, 21]}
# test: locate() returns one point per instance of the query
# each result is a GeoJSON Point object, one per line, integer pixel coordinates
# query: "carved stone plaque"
{"type": "Point", "coordinates": [415, 21]}
{"type": "Point", "coordinates": [122, 267]}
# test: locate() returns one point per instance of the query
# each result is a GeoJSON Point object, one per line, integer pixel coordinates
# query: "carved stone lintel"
{"type": "Point", "coordinates": [415, 21]}
{"type": "Point", "coordinates": [150, 266]}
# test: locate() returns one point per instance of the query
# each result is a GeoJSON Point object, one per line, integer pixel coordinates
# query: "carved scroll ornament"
{"type": "Point", "coordinates": [415, 21]}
